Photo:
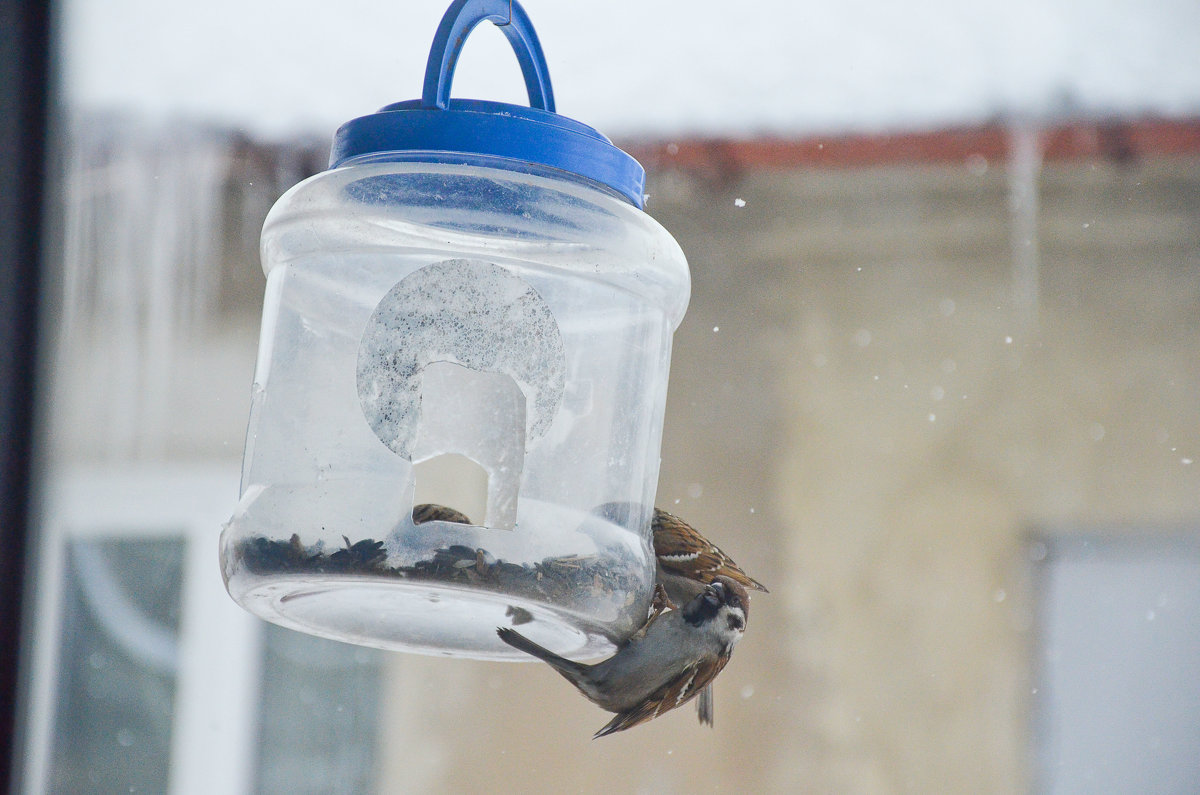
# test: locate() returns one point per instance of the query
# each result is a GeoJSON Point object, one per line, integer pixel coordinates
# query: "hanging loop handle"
{"type": "Point", "coordinates": [460, 19]}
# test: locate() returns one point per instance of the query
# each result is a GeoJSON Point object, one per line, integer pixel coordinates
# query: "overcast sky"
{"type": "Point", "coordinates": [645, 67]}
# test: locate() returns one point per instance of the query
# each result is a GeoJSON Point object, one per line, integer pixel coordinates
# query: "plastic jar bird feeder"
{"type": "Point", "coordinates": [470, 279]}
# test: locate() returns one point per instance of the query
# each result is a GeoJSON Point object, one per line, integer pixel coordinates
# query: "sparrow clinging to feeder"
{"type": "Point", "coordinates": [670, 661]}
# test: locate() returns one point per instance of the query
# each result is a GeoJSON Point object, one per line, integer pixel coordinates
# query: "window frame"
{"type": "Point", "coordinates": [213, 746]}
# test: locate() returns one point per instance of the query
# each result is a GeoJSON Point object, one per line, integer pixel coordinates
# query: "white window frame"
{"type": "Point", "coordinates": [213, 740]}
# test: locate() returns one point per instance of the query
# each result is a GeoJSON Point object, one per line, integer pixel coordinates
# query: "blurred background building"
{"type": "Point", "coordinates": [937, 387]}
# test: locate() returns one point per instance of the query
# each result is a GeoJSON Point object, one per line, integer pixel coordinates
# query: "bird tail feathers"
{"type": "Point", "coordinates": [704, 705]}
{"type": "Point", "coordinates": [568, 668]}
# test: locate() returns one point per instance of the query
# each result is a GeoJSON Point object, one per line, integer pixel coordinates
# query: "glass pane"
{"type": "Point", "coordinates": [319, 714]}
{"type": "Point", "coordinates": [118, 664]}
{"type": "Point", "coordinates": [1118, 699]}
{"type": "Point", "coordinates": [940, 293]}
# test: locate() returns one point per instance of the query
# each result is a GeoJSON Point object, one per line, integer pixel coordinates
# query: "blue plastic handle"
{"type": "Point", "coordinates": [460, 19]}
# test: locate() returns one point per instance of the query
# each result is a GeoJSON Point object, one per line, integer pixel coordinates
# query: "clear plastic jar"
{"type": "Point", "coordinates": [422, 304]}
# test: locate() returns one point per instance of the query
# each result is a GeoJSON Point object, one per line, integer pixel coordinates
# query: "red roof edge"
{"type": "Point", "coordinates": [1116, 140]}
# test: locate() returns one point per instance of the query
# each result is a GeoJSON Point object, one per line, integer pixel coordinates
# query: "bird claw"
{"type": "Point", "coordinates": [660, 603]}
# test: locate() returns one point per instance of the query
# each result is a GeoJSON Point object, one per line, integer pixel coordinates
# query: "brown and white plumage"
{"type": "Point", "coordinates": [687, 562]}
{"type": "Point", "coordinates": [673, 660]}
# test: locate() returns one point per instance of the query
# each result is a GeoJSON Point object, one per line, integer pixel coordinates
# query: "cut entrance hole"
{"type": "Point", "coordinates": [455, 481]}
{"type": "Point", "coordinates": [471, 441]}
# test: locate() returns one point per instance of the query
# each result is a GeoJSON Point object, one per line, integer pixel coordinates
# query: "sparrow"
{"type": "Point", "coordinates": [666, 663]}
{"type": "Point", "coordinates": [686, 563]}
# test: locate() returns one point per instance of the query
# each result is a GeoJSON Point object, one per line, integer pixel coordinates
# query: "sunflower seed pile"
{"type": "Point", "coordinates": [559, 579]}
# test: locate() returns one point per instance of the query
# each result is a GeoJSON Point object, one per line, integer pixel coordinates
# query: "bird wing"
{"type": "Point", "coordinates": [682, 551]}
{"type": "Point", "coordinates": [679, 690]}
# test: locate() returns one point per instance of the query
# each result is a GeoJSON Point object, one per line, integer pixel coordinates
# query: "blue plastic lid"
{"type": "Point", "coordinates": [533, 135]}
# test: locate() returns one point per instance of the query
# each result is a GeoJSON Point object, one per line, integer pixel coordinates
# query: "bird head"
{"type": "Point", "coordinates": [723, 601]}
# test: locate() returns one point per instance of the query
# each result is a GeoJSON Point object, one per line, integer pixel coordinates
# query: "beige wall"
{"type": "Point", "coordinates": [848, 418]}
